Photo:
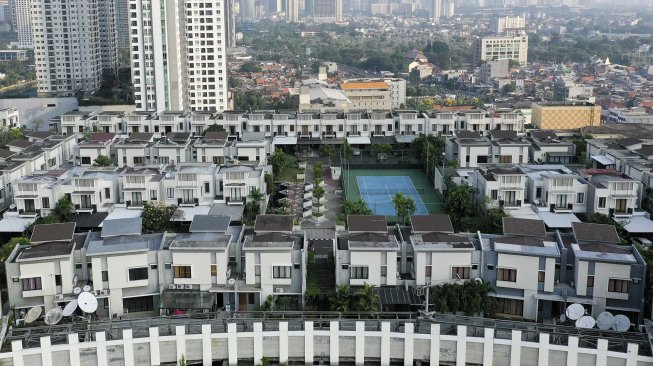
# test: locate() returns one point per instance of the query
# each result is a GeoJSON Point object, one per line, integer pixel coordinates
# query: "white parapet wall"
{"type": "Point", "coordinates": [309, 341]}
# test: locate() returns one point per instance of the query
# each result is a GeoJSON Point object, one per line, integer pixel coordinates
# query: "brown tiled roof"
{"type": "Point", "coordinates": [53, 232]}
{"type": "Point", "coordinates": [585, 231]}
{"type": "Point", "coordinates": [102, 136]}
{"type": "Point", "coordinates": [366, 223]}
{"type": "Point", "coordinates": [431, 223]}
{"type": "Point", "coordinates": [141, 136]}
{"type": "Point", "coordinates": [282, 223]}
{"type": "Point", "coordinates": [526, 227]}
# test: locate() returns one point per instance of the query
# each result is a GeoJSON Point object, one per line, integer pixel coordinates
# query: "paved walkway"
{"type": "Point", "coordinates": [331, 201]}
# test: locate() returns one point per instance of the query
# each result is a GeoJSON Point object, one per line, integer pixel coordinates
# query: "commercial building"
{"type": "Point", "coordinates": [511, 25]}
{"type": "Point", "coordinates": [368, 95]}
{"type": "Point", "coordinates": [13, 55]}
{"type": "Point", "coordinates": [327, 11]}
{"type": "Point", "coordinates": [292, 11]}
{"type": "Point", "coordinates": [183, 72]}
{"type": "Point", "coordinates": [501, 48]}
{"type": "Point", "coordinates": [565, 115]}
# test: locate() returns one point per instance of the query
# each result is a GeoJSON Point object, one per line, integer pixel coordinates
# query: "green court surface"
{"type": "Point", "coordinates": [430, 198]}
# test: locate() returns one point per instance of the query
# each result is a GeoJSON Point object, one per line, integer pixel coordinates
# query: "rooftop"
{"type": "Point", "coordinates": [368, 240]}
{"type": "Point", "coordinates": [123, 244]}
{"type": "Point", "coordinates": [210, 224]}
{"type": "Point", "coordinates": [584, 231]}
{"type": "Point", "coordinates": [269, 241]}
{"type": "Point", "coordinates": [281, 223]}
{"type": "Point", "coordinates": [53, 232]}
{"type": "Point", "coordinates": [431, 223]}
{"type": "Point", "coordinates": [124, 226]}
{"type": "Point", "coordinates": [200, 241]}
{"type": "Point", "coordinates": [367, 223]}
{"type": "Point", "coordinates": [527, 227]}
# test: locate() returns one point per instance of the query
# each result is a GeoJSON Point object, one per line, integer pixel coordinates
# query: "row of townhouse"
{"type": "Point", "coordinates": [142, 148]}
{"type": "Point", "coordinates": [102, 189]}
{"type": "Point", "coordinates": [294, 124]}
{"type": "Point", "coordinates": [555, 194]}
{"type": "Point", "coordinates": [469, 149]}
{"type": "Point", "coordinates": [218, 265]}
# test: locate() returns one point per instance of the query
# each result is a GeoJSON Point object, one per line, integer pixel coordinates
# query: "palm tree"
{"type": "Point", "coordinates": [367, 300]}
{"type": "Point", "coordinates": [256, 195]}
{"type": "Point", "coordinates": [340, 301]}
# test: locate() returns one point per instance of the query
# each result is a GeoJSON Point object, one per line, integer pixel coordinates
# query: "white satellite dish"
{"type": "Point", "coordinates": [563, 318]}
{"type": "Point", "coordinates": [87, 302]}
{"type": "Point", "coordinates": [53, 316]}
{"type": "Point", "coordinates": [621, 323]}
{"type": "Point", "coordinates": [478, 280]}
{"type": "Point", "coordinates": [86, 288]}
{"type": "Point", "coordinates": [231, 281]}
{"type": "Point", "coordinates": [575, 311]}
{"type": "Point", "coordinates": [70, 308]}
{"type": "Point", "coordinates": [35, 312]}
{"type": "Point", "coordinates": [12, 207]}
{"type": "Point", "coordinates": [77, 290]}
{"type": "Point", "coordinates": [586, 322]}
{"type": "Point", "coordinates": [605, 320]}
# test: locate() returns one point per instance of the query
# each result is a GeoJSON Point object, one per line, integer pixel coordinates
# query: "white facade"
{"type": "Point", "coordinates": [499, 48]}
{"type": "Point", "coordinates": [22, 22]}
{"type": "Point", "coordinates": [9, 118]}
{"type": "Point", "coordinates": [179, 55]}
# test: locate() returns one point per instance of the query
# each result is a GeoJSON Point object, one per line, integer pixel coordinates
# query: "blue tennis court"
{"type": "Point", "coordinates": [377, 192]}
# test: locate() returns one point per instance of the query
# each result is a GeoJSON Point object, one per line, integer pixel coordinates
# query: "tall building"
{"type": "Point", "coordinates": [22, 22]}
{"type": "Point", "coordinates": [565, 115]}
{"type": "Point", "coordinates": [73, 41]}
{"type": "Point", "coordinates": [122, 23]}
{"type": "Point", "coordinates": [178, 55]}
{"type": "Point", "coordinates": [247, 10]}
{"type": "Point", "coordinates": [230, 22]}
{"type": "Point", "coordinates": [327, 10]}
{"type": "Point", "coordinates": [501, 48]}
{"type": "Point", "coordinates": [292, 11]}
{"type": "Point", "coordinates": [511, 25]}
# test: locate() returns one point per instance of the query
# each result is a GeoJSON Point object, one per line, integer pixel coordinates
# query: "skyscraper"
{"type": "Point", "coordinates": [292, 11]}
{"type": "Point", "coordinates": [327, 10]}
{"type": "Point", "coordinates": [435, 11]}
{"type": "Point", "coordinates": [22, 23]}
{"type": "Point", "coordinates": [230, 22]}
{"type": "Point", "coordinates": [178, 55]}
{"type": "Point", "coordinates": [74, 40]}
{"type": "Point", "coordinates": [247, 10]}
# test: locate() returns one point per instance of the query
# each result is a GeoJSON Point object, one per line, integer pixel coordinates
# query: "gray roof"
{"type": "Point", "coordinates": [200, 241]}
{"type": "Point", "coordinates": [46, 250]}
{"type": "Point", "coordinates": [117, 227]}
{"type": "Point", "coordinates": [210, 224]}
{"type": "Point", "coordinates": [429, 223]}
{"type": "Point", "coordinates": [122, 244]}
{"type": "Point", "coordinates": [584, 231]}
{"type": "Point", "coordinates": [367, 223]}
{"type": "Point", "coordinates": [281, 223]}
{"type": "Point", "coordinates": [269, 241]}
{"type": "Point", "coordinates": [53, 232]}
{"type": "Point", "coordinates": [464, 134]}
{"type": "Point", "coordinates": [371, 240]}
{"type": "Point", "coordinates": [233, 211]}
{"type": "Point", "coordinates": [527, 227]}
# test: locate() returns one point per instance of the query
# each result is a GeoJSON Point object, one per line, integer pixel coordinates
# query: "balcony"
{"type": "Point", "coordinates": [135, 205]}
{"type": "Point", "coordinates": [187, 202]}
{"type": "Point", "coordinates": [29, 213]}
{"type": "Point", "coordinates": [235, 201]}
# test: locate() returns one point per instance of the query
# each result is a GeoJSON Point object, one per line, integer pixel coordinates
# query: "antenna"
{"type": "Point", "coordinates": [35, 312]}
{"type": "Point", "coordinates": [53, 316]}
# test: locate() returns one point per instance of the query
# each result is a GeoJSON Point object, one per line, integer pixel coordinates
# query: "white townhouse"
{"type": "Point", "coordinates": [611, 193]}
{"type": "Point", "coordinates": [141, 184]}
{"type": "Point", "coordinates": [136, 150]}
{"type": "Point", "coordinates": [367, 253]}
{"type": "Point", "coordinates": [409, 122]}
{"type": "Point", "coordinates": [381, 123]}
{"type": "Point", "coordinates": [9, 118]}
{"type": "Point", "coordinates": [252, 146]}
{"type": "Point", "coordinates": [189, 184]}
{"type": "Point", "coordinates": [502, 184]}
{"type": "Point", "coordinates": [507, 147]}
{"type": "Point", "coordinates": [439, 255]}
{"type": "Point", "coordinates": [43, 272]}
{"type": "Point", "coordinates": [109, 121]}
{"type": "Point", "coordinates": [200, 121]}
{"type": "Point", "coordinates": [174, 148]}
{"type": "Point", "coordinates": [508, 120]}
{"type": "Point", "coordinates": [468, 148]}
{"type": "Point", "coordinates": [75, 123]}
{"type": "Point", "coordinates": [235, 183]}
{"type": "Point", "coordinates": [547, 148]}
{"type": "Point", "coordinates": [273, 259]}
{"type": "Point", "coordinates": [93, 189]}
{"type": "Point", "coordinates": [100, 143]}
{"type": "Point", "coordinates": [474, 120]}
{"type": "Point", "coordinates": [211, 148]}
{"type": "Point", "coordinates": [441, 122]}
{"type": "Point", "coordinates": [37, 194]}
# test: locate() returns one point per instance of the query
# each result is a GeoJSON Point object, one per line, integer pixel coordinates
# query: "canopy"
{"type": "Point", "coordinates": [602, 159]}
{"type": "Point", "coordinates": [396, 295]}
{"type": "Point", "coordinates": [15, 224]}
{"type": "Point", "coordinates": [187, 299]}
{"type": "Point", "coordinates": [358, 140]}
{"type": "Point", "coordinates": [558, 220]}
{"type": "Point", "coordinates": [637, 224]}
{"type": "Point", "coordinates": [285, 140]}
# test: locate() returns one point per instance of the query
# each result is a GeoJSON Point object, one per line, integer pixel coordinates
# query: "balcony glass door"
{"type": "Point", "coordinates": [188, 196]}
{"type": "Point", "coordinates": [85, 201]}
{"type": "Point", "coordinates": [620, 205]}
{"type": "Point", "coordinates": [29, 206]}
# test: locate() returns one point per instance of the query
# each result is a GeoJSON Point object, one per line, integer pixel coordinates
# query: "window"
{"type": "Point", "coordinates": [590, 281]}
{"type": "Point", "coordinates": [540, 276]}
{"type": "Point", "coordinates": [428, 271]}
{"type": "Point", "coordinates": [359, 273]}
{"type": "Point", "coordinates": [105, 275]}
{"type": "Point", "coordinates": [86, 160]}
{"type": "Point", "coordinates": [171, 193]}
{"type": "Point", "coordinates": [207, 187]}
{"type": "Point", "coordinates": [506, 274]}
{"type": "Point", "coordinates": [461, 273]}
{"type": "Point", "coordinates": [250, 299]}
{"type": "Point", "coordinates": [494, 194]}
{"type": "Point", "coordinates": [505, 159]}
{"type": "Point", "coordinates": [57, 280]}
{"type": "Point", "coordinates": [257, 270]}
{"type": "Point", "coordinates": [601, 203]}
{"type": "Point", "coordinates": [481, 159]}
{"type": "Point", "coordinates": [138, 273]}
{"type": "Point", "coordinates": [580, 197]}
{"type": "Point", "coordinates": [281, 271]}
{"type": "Point", "coordinates": [384, 271]}
{"type": "Point", "coordinates": [45, 202]}
{"type": "Point", "coordinates": [509, 306]}
{"type": "Point", "coordinates": [214, 270]}
{"type": "Point", "coordinates": [153, 195]}
{"type": "Point", "coordinates": [164, 160]}
{"type": "Point", "coordinates": [107, 193]}
{"type": "Point", "coordinates": [182, 271]}
{"type": "Point", "coordinates": [620, 286]}
{"type": "Point", "coordinates": [32, 284]}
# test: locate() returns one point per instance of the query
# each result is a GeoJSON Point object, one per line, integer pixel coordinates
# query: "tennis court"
{"type": "Point", "coordinates": [377, 192]}
{"type": "Point", "coordinates": [377, 187]}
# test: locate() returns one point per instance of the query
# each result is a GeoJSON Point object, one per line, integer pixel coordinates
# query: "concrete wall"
{"type": "Point", "coordinates": [349, 342]}
{"type": "Point", "coordinates": [30, 109]}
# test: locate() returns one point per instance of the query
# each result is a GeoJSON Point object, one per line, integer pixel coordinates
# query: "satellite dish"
{"type": "Point", "coordinates": [12, 207]}
{"type": "Point", "coordinates": [575, 311]}
{"type": "Point", "coordinates": [35, 312]}
{"type": "Point", "coordinates": [478, 280]}
{"type": "Point", "coordinates": [621, 323]}
{"type": "Point", "coordinates": [86, 288]}
{"type": "Point", "coordinates": [231, 281]}
{"type": "Point", "coordinates": [585, 322]}
{"type": "Point", "coordinates": [70, 308]}
{"type": "Point", "coordinates": [563, 318]}
{"type": "Point", "coordinates": [605, 320]}
{"type": "Point", "coordinates": [87, 302]}
{"type": "Point", "coordinates": [77, 290]}
{"type": "Point", "coordinates": [53, 316]}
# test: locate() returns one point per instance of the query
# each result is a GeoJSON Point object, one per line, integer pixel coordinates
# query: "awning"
{"type": "Point", "coordinates": [601, 159]}
{"type": "Point", "coordinates": [332, 142]}
{"type": "Point", "coordinates": [405, 139]}
{"type": "Point", "coordinates": [284, 140]}
{"type": "Point", "coordinates": [15, 224]}
{"type": "Point", "coordinates": [558, 220]}
{"type": "Point", "coordinates": [187, 299]}
{"type": "Point", "coordinates": [188, 213]}
{"type": "Point", "coordinates": [310, 141]}
{"type": "Point", "coordinates": [396, 295]}
{"type": "Point", "coordinates": [570, 299]}
{"type": "Point", "coordinates": [636, 224]}
{"type": "Point", "coordinates": [123, 213]}
{"type": "Point", "coordinates": [358, 140]}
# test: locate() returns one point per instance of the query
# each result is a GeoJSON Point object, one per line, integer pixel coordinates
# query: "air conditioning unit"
{"type": "Point", "coordinates": [172, 286]}
{"type": "Point", "coordinates": [188, 287]}
{"type": "Point", "coordinates": [94, 292]}
{"type": "Point", "coordinates": [278, 290]}
{"type": "Point", "coordinates": [180, 287]}
{"type": "Point", "coordinates": [59, 297]}
{"type": "Point", "coordinates": [104, 292]}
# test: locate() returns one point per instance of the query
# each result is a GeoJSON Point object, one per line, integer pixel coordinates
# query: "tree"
{"type": "Point", "coordinates": [347, 151]}
{"type": "Point", "coordinates": [280, 160]}
{"type": "Point", "coordinates": [37, 123]}
{"type": "Point", "coordinates": [256, 195]}
{"type": "Point", "coordinates": [429, 150]}
{"type": "Point", "coordinates": [458, 202]}
{"type": "Point", "coordinates": [404, 205]}
{"type": "Point", "coordinates": [508, 88]}
{"type": "Point", "coordinates": [328, 151]}
{"type": "Point", "coordinates": [317, 171]}
{"type": "Point", "coordinates": [102, 160]}
{"type": "Point", "coordinates": [63, 209]}
{"type": "Point", "coordinates": [156, 216]}
{"type": "Point", "coordinates": [214, 128]}
{"type": "Point", "coordinates": [341, 300]}
{"type": "Point", "coordinates": [381, 149]}
{"type": "Point", "coordinates": [250, 66]}
{"type": "Point", "coordinates": [269, 183]}
{"type": "Point", "coordinates": [355, 207]}
{"type": "Point", "coordinates": [318, 193]}
{"type": "Point", "coordinates": [366, 299]}
{"type": "Point", "coordinates": [251, 210]}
